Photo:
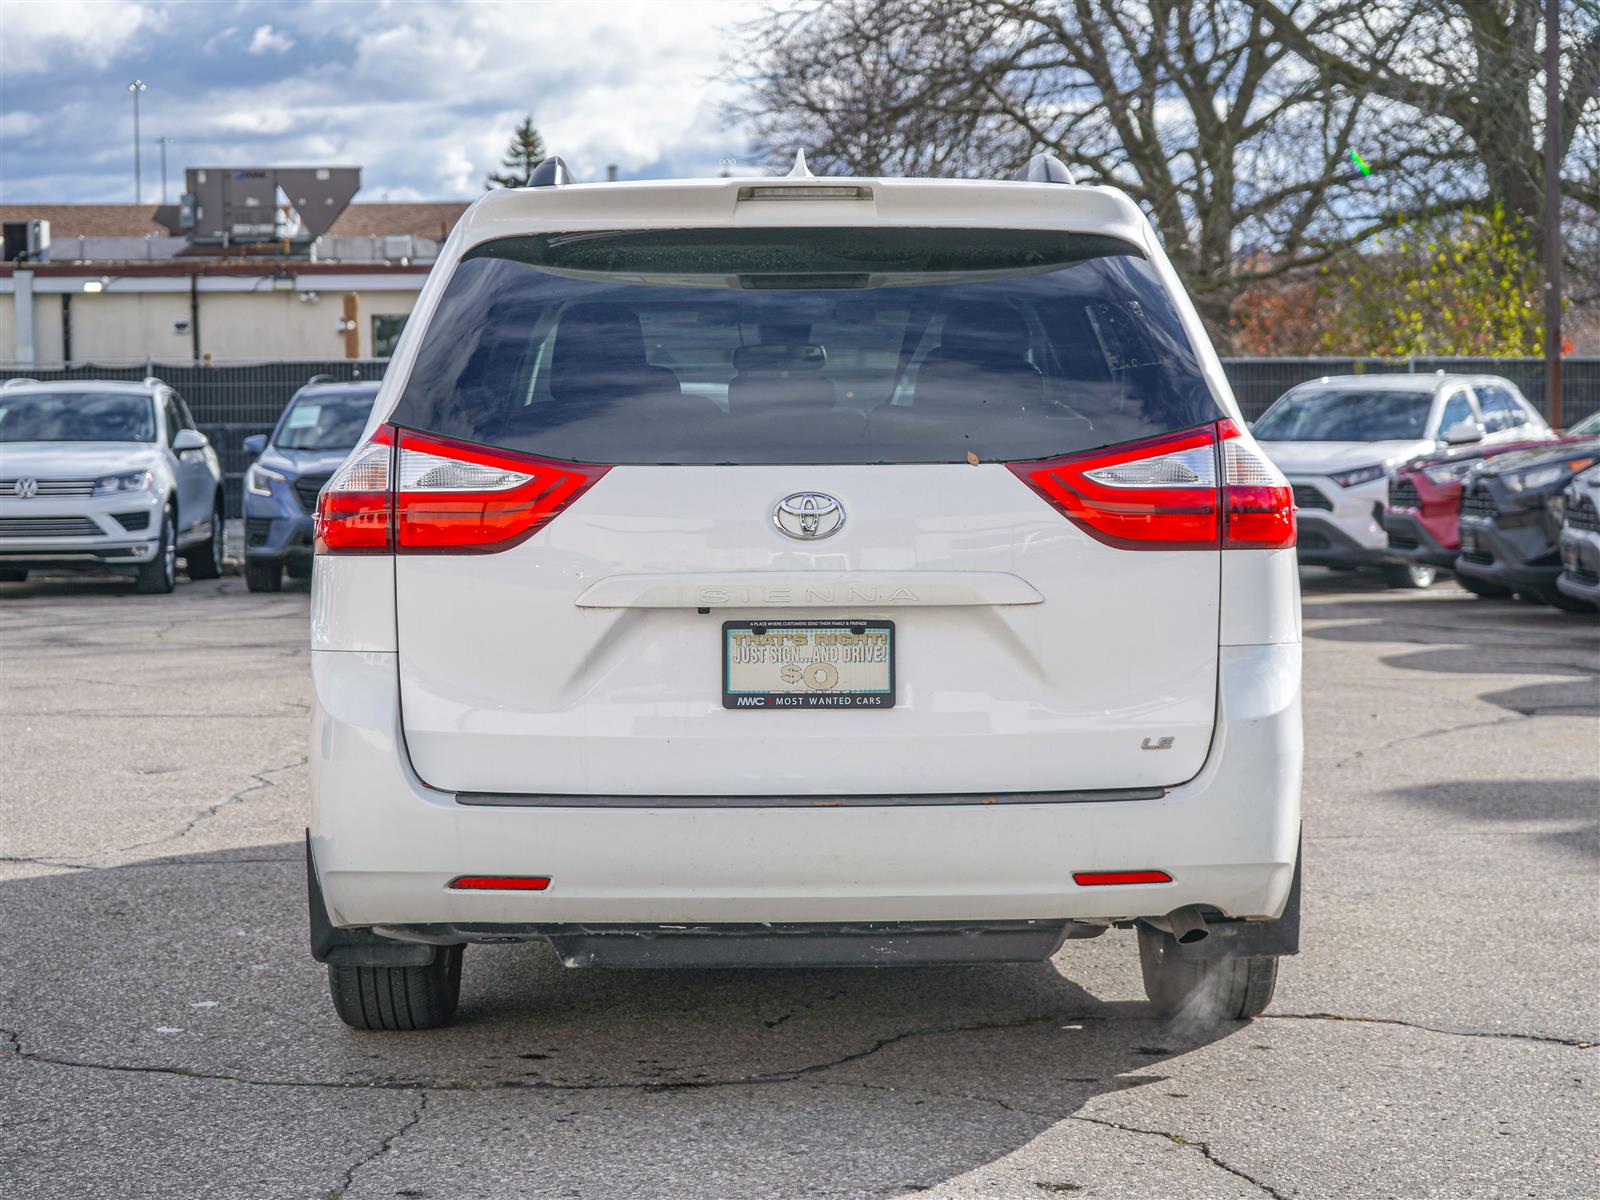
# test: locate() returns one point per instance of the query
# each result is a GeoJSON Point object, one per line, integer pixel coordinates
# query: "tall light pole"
{"type": "Point", "coordinates": [136, 87]}
{"type": "Point", "coordinates": [1552, 213]}
{"type": "Point", "coordinates": [163, 141]}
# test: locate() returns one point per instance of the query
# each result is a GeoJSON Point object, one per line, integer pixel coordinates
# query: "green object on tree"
{"type": "Point", "coordinates": [525, 152]}
{"type": "Point", "coordinates": [1461, 285]}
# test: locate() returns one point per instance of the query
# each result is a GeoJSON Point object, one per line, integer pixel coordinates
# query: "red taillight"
{"type": "Point", "coordinates": [1258, 501]}
{"type": "Point", "coordinates": [451, 497]}
{"type": "Point", "coordinates": [353, 510]}
{"type": "Point", "coordinates": [500, 883]}
{"type": "Point", "coordinates": [1103, 878]}
{"type": "Point", "coordinates": [1171, 493]}
{"type": "Point", "coordinates": [408, 493]}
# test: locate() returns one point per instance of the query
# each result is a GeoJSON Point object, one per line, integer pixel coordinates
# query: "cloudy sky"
{"type": "Point", "coordinates": [422, 95]}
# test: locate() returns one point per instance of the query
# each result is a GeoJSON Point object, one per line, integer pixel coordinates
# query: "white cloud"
{"type": "Point", "coordinates": [219, 39]}
{"type": "Point", "coordinates": [423, 95]}
{"type": "Point", "coordinates": [39, 36]}
{"type": "Point", "coordinates": [267, 40]}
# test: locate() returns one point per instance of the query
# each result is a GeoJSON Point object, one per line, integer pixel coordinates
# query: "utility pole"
{"type": "Point", "coordinates": [1552, 213]}
{"type": "Point", "coordinates": [163, 142]}
{"type": "Point", "coordinates": [136, 87]}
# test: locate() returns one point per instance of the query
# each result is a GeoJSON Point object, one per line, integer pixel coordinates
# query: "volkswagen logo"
{"type": "Point", "coordinates": [808, 516]}
{"type": "Point", "coordinates": [26, 488]}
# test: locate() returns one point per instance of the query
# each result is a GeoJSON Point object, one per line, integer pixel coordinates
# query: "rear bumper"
{"type": "Point", "coordinates": [387, 846]}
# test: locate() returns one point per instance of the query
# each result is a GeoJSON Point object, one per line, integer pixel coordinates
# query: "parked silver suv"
{"type": "Point", "coordinates": [106, 476]}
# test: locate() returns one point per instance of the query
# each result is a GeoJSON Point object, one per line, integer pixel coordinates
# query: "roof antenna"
{"type": "Point", "coordinates": [552, 172]}
{"type": "Point", "coordinates": [800, 170]}
{"type": "Point", "coordinates": [1046, 168]}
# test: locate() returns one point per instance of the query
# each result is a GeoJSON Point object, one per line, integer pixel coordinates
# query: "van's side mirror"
{"type": "Point", "coordinates": [1463, 433]}
{"type": "Point", "coordinates": [255, 444]}
{"type": "Point", "coordinates": [188, 439]}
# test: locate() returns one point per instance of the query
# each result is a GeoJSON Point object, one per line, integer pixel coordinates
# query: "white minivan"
{"type": "Point", "coordinates": [804, 571]}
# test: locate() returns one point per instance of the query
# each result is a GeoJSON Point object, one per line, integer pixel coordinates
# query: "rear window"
{"type": "Point", "coordinates": [1345, 415]}
{"type": "Point", "coordinates": [804, 346]}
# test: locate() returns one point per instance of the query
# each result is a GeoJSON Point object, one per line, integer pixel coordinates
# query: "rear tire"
{"type": "Point", "coordinates": [263, 576]}
{"type": "Point", "coordinates": [205, 560]}
{"type": "Point", "coordinates": [1409, 575]}
{"type": "Point", "coordinates": [1205, 990]}
{"type": "Point", "coordinates": [1484, 589]}
{"type": "Point", "coordinates": [13, 575]}
{"type": "Point", "coordinates": [160, 576]}
{"type": "Point", "coordinates": [398, 998]}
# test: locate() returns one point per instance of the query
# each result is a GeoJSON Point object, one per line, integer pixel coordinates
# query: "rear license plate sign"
{"type": "Point", "coordinates": [807, 664]}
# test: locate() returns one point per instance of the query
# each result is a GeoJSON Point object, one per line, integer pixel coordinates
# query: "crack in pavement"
{"type": "Point", "coordinates": [153, 863]}
{"type": "Point", "coordinates": [383, 1148]}
{"type": "Point", "coordinates": [412, 1085]}
{"type": "Point", "coordinates": [1508, 719]}
{"type": "Point", "coordinates": [1204, 1148]}
{"type": "Point", "coordinates": [262, 782]}
{"type": "Point", "coordinates": [1506, 1034]}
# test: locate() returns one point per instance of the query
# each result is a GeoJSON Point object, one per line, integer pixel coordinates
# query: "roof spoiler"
{"type": "Point", "coordinates": [1046, 168]}
{"type": "Point", "coordinates": [552, 172]}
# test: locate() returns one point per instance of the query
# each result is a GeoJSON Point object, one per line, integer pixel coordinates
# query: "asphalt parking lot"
{"type": "Point", "coordinates": [165, 1032]}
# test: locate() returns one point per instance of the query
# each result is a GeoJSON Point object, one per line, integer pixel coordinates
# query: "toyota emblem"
{"type": "Point", "coordinates": [26, 488]}
{"type": "Point", "coordinates": [808, 516]}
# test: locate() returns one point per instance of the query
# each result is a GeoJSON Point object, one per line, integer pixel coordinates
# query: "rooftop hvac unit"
{"type": "Point", "coordinates": [26, 241]}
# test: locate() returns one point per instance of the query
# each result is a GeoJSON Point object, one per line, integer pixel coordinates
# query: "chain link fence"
{"type": "Point", "coordinates": [232, 401]}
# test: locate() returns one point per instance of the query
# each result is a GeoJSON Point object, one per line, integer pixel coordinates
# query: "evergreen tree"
{"type": "Point", "coordinates": [525, 152]}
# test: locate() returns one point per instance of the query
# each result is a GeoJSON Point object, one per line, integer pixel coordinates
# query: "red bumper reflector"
{"type": "Point", "coordinates": [500, 883]}
{"type": "Point", "coordinates": [1102, 878]}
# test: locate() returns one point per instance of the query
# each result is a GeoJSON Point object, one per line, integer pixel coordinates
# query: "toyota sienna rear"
{"type": "Point", "coordinates": [804, 572]}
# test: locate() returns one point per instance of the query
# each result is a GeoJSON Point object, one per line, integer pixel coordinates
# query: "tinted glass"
{"type": "Point", "coordinates": [804, 346]}
{"type": "Point", "coordinates": [324, 422]}
{"type": "Point", "coordinates": [1346, 416]}
{"type": "Point", "coordinates": [1500, 411]}
{"type": "Point", "coordinates": [1590, 424]}
{"type": "Point", "coordinates": [1457, 411]}
{"type": "Point", "coordinates": [76, 417]}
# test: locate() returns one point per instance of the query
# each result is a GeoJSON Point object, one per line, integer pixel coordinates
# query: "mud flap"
{"type": "Point", "coordinates": [1254, 939]}
{"type": "Point", "coordinates": [355, 947]}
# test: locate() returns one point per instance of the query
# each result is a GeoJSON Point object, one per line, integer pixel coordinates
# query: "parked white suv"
{"type": "Point", "coordinates": [1339, 439]}
{"type": "Point", "coordinates": [803, 571]}
{"type": "Point", "coordinates": [106, 476]}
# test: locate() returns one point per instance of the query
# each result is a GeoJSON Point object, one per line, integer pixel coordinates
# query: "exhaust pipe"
{"type": "Point", "coordinates": [1188, 925]}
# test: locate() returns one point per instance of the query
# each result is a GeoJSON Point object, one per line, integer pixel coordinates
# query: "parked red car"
{"type": "Point", "coordinates": [1425, 502]}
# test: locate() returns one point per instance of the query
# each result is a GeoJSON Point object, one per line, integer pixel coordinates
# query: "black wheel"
{"type": "Point", "coordinates": [1409, 575]}
{"type": "Point", "coordinates": [398, 997]}
{"type": "Point", "coordinates": [160, 575]}
{"type": "Point", "coordinates": [1483, 588]}
{"type": "Point", "coordinates": [1207, 990]}
{"type": "Point", "coordinates": [263, 575]}
{"type": "Point", "coordinates": [205, 560]}
{"type": "Point", "coordinates": [298, 568]}
{"type": "Point", "coordinates": [13, 575]}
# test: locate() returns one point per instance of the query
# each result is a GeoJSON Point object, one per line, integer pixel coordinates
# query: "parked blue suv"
{"type": "Point", "coordinates": [314, 435]}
